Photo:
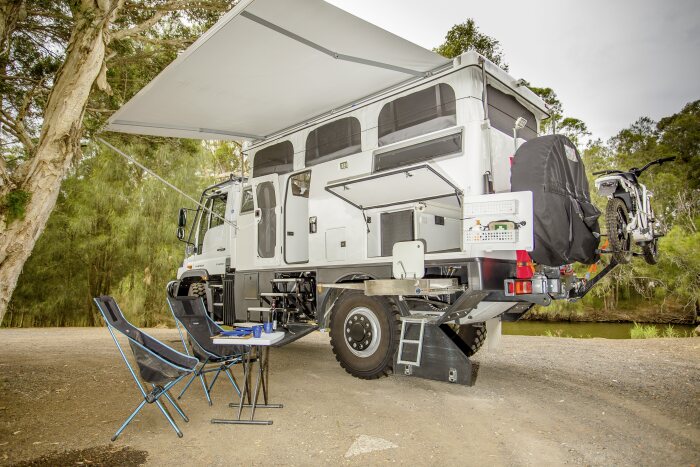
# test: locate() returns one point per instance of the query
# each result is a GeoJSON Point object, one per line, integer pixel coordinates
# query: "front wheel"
{"type": "Point", "coordinates": [365, 334]}
{"type": "Point", "coordinates": [651, 251]}
{"type": "Point", "coordinates": [619, 238]}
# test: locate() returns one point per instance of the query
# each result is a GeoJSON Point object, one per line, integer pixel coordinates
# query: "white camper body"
{"type": "Point", "coordinates": [342, 212]}
{"type": "Point", "coordinates": [379, 189]}
{"type": "Point", "coordinates": [347, 196]}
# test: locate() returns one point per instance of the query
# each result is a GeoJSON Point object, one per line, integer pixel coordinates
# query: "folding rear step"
{"type": "Point", "coordinates": [406, 321]}
{"type": "Point", "coordinates": [430, 349]}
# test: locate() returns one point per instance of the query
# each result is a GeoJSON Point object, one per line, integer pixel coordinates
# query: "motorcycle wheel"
{"type": "Point", "coordinates": [651, 251]}
{"type": "Point", "coordinates": [619, 238]}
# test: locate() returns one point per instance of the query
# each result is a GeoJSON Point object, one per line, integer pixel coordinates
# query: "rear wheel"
{"type": "Point", "coordinates": [365, 334]}
{"type": "Point", "coordinates": [473, 336]}
{"type": "Point", "coordinates": [619, 238]}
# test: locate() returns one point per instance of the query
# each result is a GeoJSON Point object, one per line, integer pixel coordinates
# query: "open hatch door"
{"type": "Point", "coordinates": [393, 187]}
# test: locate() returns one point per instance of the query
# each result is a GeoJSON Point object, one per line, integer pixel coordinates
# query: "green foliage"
{"type": "Point", "coordinates": [466, 36]}
{"type": "Point", "coordinates": [112, 232]}
{"type": "Point", "coordinates": [669, 290]}
{"type": "Point", "coordinates": [644, 331]}
{"type": "Point", "coordinates": [13, 205]}
{"type": "Point", "coordinates": [681, 136]}
{"type": "Point", "coordinates": [573, 128]}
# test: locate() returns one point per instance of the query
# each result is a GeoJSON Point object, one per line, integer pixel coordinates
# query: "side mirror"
{"type": "Point", "coordinates": [182, 219]}
{"type": "Point", "coordinates": [181, 233]}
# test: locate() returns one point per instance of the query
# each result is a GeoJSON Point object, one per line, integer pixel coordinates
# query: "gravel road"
{"type": "Point", "coordinates": [537, 401]}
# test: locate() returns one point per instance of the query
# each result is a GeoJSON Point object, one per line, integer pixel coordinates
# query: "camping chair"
{"type": "Point", "coordinates": [159, 365]}
{"type": "Point", "coordinates": [190, 313]}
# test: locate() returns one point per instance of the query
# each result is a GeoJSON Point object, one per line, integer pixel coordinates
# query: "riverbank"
{"type": "Point", "coordinates": [576, 312]}
{"type": "Point", "coordinates": [588, 330]}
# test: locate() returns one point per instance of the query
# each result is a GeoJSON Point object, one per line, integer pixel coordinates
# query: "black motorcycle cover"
{"type": "Point", "coordinates": [566, 222]}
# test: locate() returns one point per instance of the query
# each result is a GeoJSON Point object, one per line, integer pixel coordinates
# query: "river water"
{"type": "Point", "coordinates": [584, 330]}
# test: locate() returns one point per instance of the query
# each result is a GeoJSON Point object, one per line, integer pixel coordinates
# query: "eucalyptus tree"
{"type": "Point", "coordinates": [55, 57]}
{"type": "Point", "coordinates": [466, 36]}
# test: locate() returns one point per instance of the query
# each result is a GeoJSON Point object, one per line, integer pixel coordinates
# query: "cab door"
{"type": "Point", "coordinates": [213, 238]}
{"type": "Point", "coordinates": [267, 220]}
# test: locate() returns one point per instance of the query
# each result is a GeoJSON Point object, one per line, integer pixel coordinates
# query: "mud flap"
{"type": "Point", "coordinates": [442, 359]}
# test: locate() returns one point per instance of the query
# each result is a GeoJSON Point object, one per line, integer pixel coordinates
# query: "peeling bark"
{"type": "Point", "coordinates": [59, 141]}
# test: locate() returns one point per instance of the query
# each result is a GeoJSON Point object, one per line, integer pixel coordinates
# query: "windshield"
{"type": "Point", "coordinates": [204, 220]}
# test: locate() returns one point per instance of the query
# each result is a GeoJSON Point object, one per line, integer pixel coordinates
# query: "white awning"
{"type": "Point", "coordinates": [268, 65]}
{"type": "Point", "coordinates": [382, 189]}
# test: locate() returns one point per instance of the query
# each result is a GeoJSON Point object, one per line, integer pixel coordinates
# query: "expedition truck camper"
{"type": "Point", "coordinates": [379, 203]}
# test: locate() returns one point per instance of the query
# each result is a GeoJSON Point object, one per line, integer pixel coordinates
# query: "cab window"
{"type": "Point", "coordinates": [207, 220]}
{"type": "Point", "coordinates": [218, 208]}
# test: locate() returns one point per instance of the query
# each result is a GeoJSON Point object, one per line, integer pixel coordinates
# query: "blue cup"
{"type": "Point", "coordinates": [268, 327]}
{"type": "Point", "coordinates": [257, 331]}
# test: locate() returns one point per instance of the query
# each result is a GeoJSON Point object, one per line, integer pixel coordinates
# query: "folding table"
{"type": "Point", "coordinates": [260, 353]}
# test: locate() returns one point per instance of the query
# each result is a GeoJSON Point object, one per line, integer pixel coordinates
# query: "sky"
{"type": "Point", "coordinates": [609, 61]}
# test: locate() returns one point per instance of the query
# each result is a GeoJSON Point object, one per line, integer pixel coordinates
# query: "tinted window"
{"type": "Point", "coordinates": [301, 183]}
{"type": "Point", "coordinates": [504, 110]}
{"type": "Point", "coordinates": [267, 225]}
{"type": "Point", "coordinates": [203, 224]}
{"type": "Point", "coordinates": [247, 200]}
{"type": "Point", "coordinates": [333, 140]}
{"type": "Point", "coordinates": [419, 113]}
{"type": "Point", "coordinates": [278, 158]}
{"type": "Point", "coordinates": [437, 147]}
{"type": "Point", "coordinates": [218, 208]}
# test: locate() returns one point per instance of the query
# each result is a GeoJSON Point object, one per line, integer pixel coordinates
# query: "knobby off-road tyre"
{"type": "Point", "coordinates": [651, 251]}
{"type": "Point", "coordinates": [619, 239]}
{"type": "Point", "coordinates": [198, 289]}
{"type": "Point", "coordinates": [473, 336]}
{"type": "Point", "coordinates": [365, 334]}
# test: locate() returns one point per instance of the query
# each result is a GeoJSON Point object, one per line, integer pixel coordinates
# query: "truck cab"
{"type": "Point", "coordinates": [211, 241]}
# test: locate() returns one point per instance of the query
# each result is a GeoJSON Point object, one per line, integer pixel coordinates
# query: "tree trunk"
{"type": "Point", "coordinates": [59, 142]}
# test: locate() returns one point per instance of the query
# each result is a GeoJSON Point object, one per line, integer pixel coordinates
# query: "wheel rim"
{"type": "Point", "coordinates": [623, 235]}
{"type": "Point", "coordinates": [362, 332]}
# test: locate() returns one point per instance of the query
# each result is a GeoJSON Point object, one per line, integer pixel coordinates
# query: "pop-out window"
{"type": "Point", "coordinates": [422, 112]}
{"type": "Point", "coordinates": [333, 140]}
{"type": "Point", "coordinates": [420, 152]}
{"type": "Point", "coordinates": [504, 110]}
{"type": "Point", "coordinates": [275, 159]}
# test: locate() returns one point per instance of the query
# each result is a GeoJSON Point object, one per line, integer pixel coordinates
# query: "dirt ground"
{"type": "Point", "coordinates": [537, 401]}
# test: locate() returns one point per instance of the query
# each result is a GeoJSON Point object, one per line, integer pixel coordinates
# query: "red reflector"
{"type": "Point", "coordinates": [524, 269]}
{"type": "Point", "coordinates": [511, 287]}
{"type": "Point", "coordinates": [523, 287]}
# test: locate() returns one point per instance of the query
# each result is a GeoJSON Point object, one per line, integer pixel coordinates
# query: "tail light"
{"type": "Point", "coordinates": [518, 287]}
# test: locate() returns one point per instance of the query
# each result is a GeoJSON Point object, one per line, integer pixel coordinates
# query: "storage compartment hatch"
{"type": "Point", "coordinates": [393, 187]}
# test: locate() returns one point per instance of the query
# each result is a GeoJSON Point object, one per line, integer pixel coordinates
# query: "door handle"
{"type": "Point", "coordinates": [313, 224]}
{"type": "Point", "coordinates": [258, 214]}
{"type": "Point", "coordinates": [221, 249]}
